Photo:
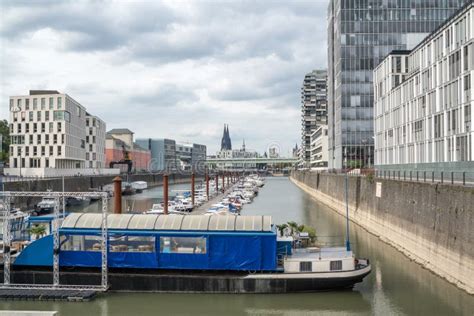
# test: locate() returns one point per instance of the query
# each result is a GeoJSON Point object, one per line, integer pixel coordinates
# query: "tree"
{"type": "Point", "coordinates": [293, 227]}
{"type": "Point", "coordinates": [281, 228]}
{"type": "Point", "coordinates": [38, 231]}
{"type": "Point", "coordinates": [5, 133]}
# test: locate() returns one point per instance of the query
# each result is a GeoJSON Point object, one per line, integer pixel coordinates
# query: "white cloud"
{"type": "Point", "coordinates": [170, 69]}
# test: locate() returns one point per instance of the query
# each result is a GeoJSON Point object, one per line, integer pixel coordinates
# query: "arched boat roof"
{"type": "Point", "coordinates": [169, 222]}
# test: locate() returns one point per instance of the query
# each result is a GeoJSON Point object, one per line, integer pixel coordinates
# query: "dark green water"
{"type": "Point", "coordinates": [396, 286]}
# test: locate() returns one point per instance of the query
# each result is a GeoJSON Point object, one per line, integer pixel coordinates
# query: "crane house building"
{"type": "Point", "coordinates": [424, 101]}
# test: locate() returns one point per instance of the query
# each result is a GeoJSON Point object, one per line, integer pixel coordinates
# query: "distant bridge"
{"type": "Point", "coordinates": [213, 162]}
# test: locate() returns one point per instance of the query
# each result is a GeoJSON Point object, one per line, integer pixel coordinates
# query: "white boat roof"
{"type": "Point", "coordinates": [170, 222]}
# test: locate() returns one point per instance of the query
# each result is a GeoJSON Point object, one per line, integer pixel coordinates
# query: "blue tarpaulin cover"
{"type": "Point", "coordinates": [224, 252]}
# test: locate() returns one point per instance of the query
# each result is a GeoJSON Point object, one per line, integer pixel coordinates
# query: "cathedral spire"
{"type": "Point", "coordinates": [226, 143]}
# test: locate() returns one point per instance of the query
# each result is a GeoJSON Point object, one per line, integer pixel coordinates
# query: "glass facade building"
{"type": "Point", "coordinates": [361, 33]}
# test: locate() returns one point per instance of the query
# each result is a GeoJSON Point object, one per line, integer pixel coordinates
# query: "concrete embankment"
{"type": "Point", "coordinates": [432, 224]}
{"type": "Point", "coordinates": [83, 184]}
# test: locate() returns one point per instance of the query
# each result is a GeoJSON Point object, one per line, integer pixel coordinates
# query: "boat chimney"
{"type": "Point", "coordinates": [165, 194]}
{"type": "Point", "coordinates": [117, 195]}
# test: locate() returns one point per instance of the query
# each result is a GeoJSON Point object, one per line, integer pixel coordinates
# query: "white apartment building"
{"type": "Point", "coordinates": [95, 142]}
{"type": "Point", "coordinates": [48, 135]}
{"type": "Point", "coordinates": [319, 148]}
{"type": "Point", "coordinates": [424, 101]}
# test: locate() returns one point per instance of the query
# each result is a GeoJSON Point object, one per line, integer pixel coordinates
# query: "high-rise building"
{"type": "Point", "coordinates": [313, 109]}
{"type": "Point", "coordinates": [360, 34]}
{"type": "Point", "coordinates": [49, 132]}
{"type": "Point", "coordinates": [424, 101]}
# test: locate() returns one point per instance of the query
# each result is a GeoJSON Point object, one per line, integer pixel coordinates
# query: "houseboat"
{"type": "Point", "coordinates": [195, 253]}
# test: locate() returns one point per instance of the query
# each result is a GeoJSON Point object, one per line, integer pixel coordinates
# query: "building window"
{"type": "Point", "coordinates": [38, 116]}
{"type": "Point", "coordinates": [27, 104]}
{"type": "Point", "coordinates": [178, 245]}
{"type": "Point", "coordinates": [59, 127]}
{"type": "Point", "coordinates": [335, 265]}
{"type": "Point", "coordinates": [59, 150]}
{"type": "Point", "coordinates": [81, 243]}
{"type": "Point", "coordinates": [43, 103]}
{"type": "Point", "coordinates": [35, 128]}
{"type": "Point", "coordinates": [35, 104]}
{"type": "Point", "coordinates": [18, 104]}
{"type": "Point", "coordinates": [46, 116]}
{"type": "Point", "coordinates": [141, 244]}
{"type": "Point", "coordinates": [35, 151]}
{"type": "Point", "coordinates": [51, 127]}
{"type": "Point", "coordinates": [51, 150]}
{"type": "Point", "coordinates": [306, 266]}
{"type": "Point", "coordinates": [59, 102]}
{"type": "Point", "coordinates": [30, 116]}
{"type": "Point", "coordinates": [43, 127]}
{"type": "Point", "coordinates": [46, 139]}
{"type": "Point", "coordinates": [51, 103]}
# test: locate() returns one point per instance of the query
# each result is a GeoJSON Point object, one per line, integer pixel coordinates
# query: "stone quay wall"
{"type": "Point", "coordinates": [433, 224]}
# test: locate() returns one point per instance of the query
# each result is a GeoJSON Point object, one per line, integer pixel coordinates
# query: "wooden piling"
{"type": "Point", "coordinates": [165, 194]}
{"type": "Point", "coordinates": [117, 195]}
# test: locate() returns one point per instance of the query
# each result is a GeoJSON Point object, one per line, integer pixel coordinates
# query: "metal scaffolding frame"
{"type": "Point", "coordinates": [7, 216]}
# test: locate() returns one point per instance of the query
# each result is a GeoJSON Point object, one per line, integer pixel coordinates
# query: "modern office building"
{"type": "Point", "coordinates": [424, 101]}
{"type": "Point", "coordinates": [168, 155]}
{"type": "Point", "coordinates": [95, 142]}
{"type": "Point", "coordinates": [313, 109]}
{"type": "Point", "coordinates": [48, 136]}
{"type": "Point", "coordinates": [319, 148]}
{"type": "Point", "coordinates": [360, 34]}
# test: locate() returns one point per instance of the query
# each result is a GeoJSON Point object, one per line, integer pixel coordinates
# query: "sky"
{"type": "Point", "coordinates": [170, 69]}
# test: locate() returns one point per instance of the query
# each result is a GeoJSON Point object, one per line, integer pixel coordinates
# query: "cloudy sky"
{"type": "Point", "coordinates": [173, 69]}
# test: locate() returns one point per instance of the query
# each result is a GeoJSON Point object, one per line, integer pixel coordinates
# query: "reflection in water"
{"type": "Point", "coordinates": [396, 286]}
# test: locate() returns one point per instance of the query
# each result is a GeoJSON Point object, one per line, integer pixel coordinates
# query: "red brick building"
{"type": "Point", "coordinates": [120, 139]}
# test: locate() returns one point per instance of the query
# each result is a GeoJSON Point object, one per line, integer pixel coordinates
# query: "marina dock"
{"type": "Point", "coordinates": [215, 199]}
{"type": "Point", "coordinates": [47, 294]}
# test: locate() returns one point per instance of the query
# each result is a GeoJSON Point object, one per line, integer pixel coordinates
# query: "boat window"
{"type": "Point", "coordinates": [306, 266]}
{"type": "Point", "coordinates": [336, 265]}
{"type": "Point", "coordinates": [195, 245]}
{"type": "Point", "coordinates": [120, 243]}
{"type": "Point", "coordinates": [82, 243]}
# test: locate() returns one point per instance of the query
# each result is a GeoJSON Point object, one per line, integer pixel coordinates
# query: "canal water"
{"type": "Point", "coordinates": [396, 285]}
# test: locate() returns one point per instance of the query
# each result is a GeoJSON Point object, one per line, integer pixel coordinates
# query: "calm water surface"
{"type": "Point", "coordinates": [396, 286]}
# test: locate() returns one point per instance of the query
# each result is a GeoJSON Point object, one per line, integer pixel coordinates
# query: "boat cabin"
{"type": "Point", "coordinates": [149, 241]}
